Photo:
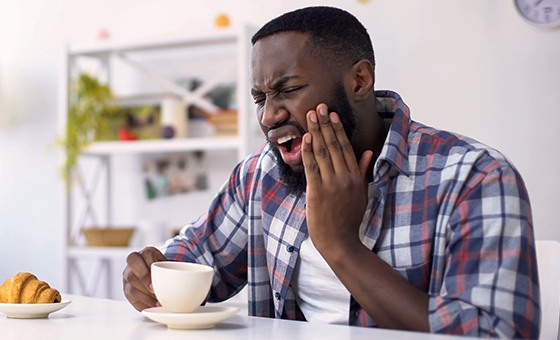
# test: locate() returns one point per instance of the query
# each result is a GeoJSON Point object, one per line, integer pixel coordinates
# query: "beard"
{"type": "Point", "coordinates": [295, 180]}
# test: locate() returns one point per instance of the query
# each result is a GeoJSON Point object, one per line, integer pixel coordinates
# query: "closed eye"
{"type": "Point", "coordinates": [293, 89]}
{"type": "Point", "coordinates": [259, 98]}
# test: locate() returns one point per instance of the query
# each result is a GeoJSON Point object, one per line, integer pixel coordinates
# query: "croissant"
{"type": "Point", "coordinates": [26, 288]}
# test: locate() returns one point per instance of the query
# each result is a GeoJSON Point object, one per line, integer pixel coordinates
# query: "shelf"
{"type": "Point", "coordinates": [144, 72]}
{"type": "Point", "coordinates": [162, 145]}
{"type": "Point", "coordinates": [96, 252]}
{"type": "Point", "coordinates": [154, 98]}
{"type": "Point", "coordinates": [101, 49]}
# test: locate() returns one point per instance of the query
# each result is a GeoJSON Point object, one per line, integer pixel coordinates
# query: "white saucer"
{"type": "Point", "coordinates": [201, 318]}
{"type": "Point", "coordinates": [31, 310]}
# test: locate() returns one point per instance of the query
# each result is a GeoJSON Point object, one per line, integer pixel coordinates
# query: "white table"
{"type": "Point", "coordinates": [95, 318]}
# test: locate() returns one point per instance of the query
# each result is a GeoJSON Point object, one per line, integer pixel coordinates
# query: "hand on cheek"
{"type": "Point", "coordinates": [336, 185]}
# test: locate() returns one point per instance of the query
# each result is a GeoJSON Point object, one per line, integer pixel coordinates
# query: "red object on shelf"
{"type": "Point", "coordinates": [125, 135]}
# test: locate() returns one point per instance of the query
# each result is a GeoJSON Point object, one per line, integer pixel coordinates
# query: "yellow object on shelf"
{"type": "Point", "coordinates": [225, 122]}
{"type": "Point", "coordinates": [108, 237]}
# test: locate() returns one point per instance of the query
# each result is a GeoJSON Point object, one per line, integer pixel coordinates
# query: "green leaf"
{"type": "Point", "coordinates": [89, 101]}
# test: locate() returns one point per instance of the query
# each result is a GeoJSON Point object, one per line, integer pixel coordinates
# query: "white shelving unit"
{"type": "Point", "coordinates": [197, 55]}
{"type": "Point", "coordinates": [165, 146]}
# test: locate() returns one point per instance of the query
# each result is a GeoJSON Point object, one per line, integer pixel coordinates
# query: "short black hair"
{"type": "Point", "coordinates": [334, 33]}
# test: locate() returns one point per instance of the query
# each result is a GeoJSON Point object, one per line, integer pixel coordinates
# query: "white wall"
{"type": "Point", "coordinates": [470, 66]}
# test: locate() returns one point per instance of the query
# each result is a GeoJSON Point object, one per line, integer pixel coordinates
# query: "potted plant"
{"type": "Point", "coordinates": [90, 100]}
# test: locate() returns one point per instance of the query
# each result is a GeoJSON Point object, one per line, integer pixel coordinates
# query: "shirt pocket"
{"type": "Point", "coordinates": [410, 255]}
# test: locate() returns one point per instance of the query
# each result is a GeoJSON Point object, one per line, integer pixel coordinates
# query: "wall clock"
{"type": "Point", "coordinates": [542, 13]}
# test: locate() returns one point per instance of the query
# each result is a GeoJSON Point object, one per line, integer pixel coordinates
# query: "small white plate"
{"type": "Point", "coordinates": [31, 310]}
{"type": "Point", "coordinates": [201, 318]}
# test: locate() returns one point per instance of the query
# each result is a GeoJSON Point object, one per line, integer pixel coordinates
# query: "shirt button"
{"type": "Point", "coordinates": [290, 248]}
{"type": "Point", "coordinates": [277, 295]}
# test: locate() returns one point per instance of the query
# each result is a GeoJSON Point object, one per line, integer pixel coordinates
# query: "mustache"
{"type": "Point", "coordinates": [286, 123]}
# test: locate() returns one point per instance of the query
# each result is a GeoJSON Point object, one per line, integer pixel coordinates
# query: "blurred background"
{"type": "Point", "coordinates": [470, 66]}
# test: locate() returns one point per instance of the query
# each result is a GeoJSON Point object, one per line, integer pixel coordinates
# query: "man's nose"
{"type": "Point", "coordinates": [273, 113]}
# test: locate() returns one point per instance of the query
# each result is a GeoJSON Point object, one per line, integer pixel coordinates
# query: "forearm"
{"type": "Point", "coordinates": [387, 297]}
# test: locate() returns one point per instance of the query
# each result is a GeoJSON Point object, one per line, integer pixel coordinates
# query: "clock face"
{"type": "Point", "coordinates": [544, 13]}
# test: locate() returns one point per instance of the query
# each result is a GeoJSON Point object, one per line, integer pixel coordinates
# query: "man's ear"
{"type": "Point", "coordinates": [363, 74]}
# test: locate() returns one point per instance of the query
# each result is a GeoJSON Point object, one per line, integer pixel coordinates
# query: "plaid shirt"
{"type": "Point", "coordinates": [449, 214]}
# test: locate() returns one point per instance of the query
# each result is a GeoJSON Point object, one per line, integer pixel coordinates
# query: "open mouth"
{"type": "Point", "coordinates": [286, 142]}
{"type": "Point", "coordinates": [290, 149]}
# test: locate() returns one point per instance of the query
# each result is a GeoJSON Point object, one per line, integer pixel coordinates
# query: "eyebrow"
{"type": "Point", "coordinates": [282, 80]}
{"type": "Point", "coordinates": [276, 84]}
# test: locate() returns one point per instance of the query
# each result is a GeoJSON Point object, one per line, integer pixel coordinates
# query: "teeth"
{"type": "Point", "coordinates": [284, 139]}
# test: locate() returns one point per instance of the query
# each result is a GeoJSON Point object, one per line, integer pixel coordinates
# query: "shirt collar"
{"type": "Point", "coordinates": [395, 149]}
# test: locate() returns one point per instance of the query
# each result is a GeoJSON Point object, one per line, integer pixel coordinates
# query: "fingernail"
{"type": "Point", "coordinates": [334, 117]}
{"type": "Point", "coordinates": [307, 138]}
{"type": "Point", "coordinates": [322, 111]}
{"type": "Point", "coordinates": [313, 117]}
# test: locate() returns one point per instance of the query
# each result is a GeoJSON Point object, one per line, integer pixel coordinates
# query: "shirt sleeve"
{"type": "Point", "coordinates": [218, 238]}
{"type": "Point", "coordinates": [490, 286]}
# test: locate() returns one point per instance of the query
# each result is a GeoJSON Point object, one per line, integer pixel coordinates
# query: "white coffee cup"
{"type": "Point", "coordinates": [181, 287]}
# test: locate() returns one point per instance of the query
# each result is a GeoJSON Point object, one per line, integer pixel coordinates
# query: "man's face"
{"type": "Point", "coordinates": [287, 82]}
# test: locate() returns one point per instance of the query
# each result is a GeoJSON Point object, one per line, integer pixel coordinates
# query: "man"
{"type": "Point", "coordinates": [353, 213]}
